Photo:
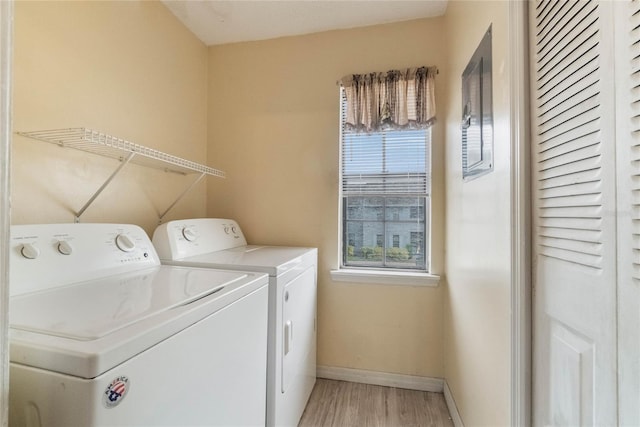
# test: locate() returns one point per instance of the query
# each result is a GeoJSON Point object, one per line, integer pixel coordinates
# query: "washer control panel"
{"type": "Point", "coordinates": [44, 256]}
{"type": "Point", "coordinates": [184, 238]}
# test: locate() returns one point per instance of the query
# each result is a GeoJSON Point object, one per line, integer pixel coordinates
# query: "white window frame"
{"type": "Point", "coordinates": [371, 275]}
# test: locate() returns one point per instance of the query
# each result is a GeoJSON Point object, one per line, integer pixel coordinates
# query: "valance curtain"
{"type": "Point", "coordinates": [390, 101]}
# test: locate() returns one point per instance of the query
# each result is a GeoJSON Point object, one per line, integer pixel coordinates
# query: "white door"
{"type": "Point", "coordinates": [627, 18]}
{"type": "Point", "coordinates": [6, 57]}
{"type": "Point", "coordinates": [574, 192]}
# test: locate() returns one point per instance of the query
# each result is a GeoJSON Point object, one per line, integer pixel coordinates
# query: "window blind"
{"type": "Point", "coordinates": [393, 162]}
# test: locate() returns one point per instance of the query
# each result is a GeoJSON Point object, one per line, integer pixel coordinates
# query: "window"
{"type": "Point", "coordinates": [385, 193]}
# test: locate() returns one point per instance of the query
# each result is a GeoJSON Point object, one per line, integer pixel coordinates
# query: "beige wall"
{"type": "Point", "coordinates": [274, 128]}
{"type": "Point", "coordinates": [126, 68]}
{"type": "Point", "coordinates": [477, 334]}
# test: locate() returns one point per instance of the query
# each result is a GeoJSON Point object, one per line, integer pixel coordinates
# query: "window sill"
{"type": "Point", "coordinates": [382, 277]}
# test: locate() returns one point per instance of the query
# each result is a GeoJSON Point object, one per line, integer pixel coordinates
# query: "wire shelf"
{"type": "Point", "coordinates": [105, 145]}
{"type": "Point", "coordinates": [99, 143]}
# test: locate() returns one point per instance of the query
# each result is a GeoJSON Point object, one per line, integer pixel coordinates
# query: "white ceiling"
{"type": "Point", "coordinates": [229, 21]}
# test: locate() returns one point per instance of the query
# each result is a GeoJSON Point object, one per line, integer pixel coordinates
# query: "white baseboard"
{"type": "Point", "coordinates": [410, 382]}
{"type": "Point", "coordinates": [451, 405]}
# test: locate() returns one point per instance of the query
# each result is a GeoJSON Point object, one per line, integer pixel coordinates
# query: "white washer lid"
{"type": "Point", "coordinates": [87, 328]}
{"type": "Point", "coordinates": [91, 310]}
{"type": "Point", "coordinates": [273, 260]}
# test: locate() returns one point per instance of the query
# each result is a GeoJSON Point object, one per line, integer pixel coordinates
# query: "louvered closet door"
{"type": "Point", "coordinates": [627, 63]}
{"type": "Point", "coordinates": [573, 168]}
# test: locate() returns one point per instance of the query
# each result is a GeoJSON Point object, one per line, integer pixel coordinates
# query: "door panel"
{"type": "Point", "coordinates": [573, 146]}
{"type": "Point", "coordinates": [571, 364]}
{"type": "Point", "coordinates": [298, 326]}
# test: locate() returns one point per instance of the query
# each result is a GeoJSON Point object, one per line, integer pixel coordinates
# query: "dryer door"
{"type": "Point", "coordinates": [298, 325]}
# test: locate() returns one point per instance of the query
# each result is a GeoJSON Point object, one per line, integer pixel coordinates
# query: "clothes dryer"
{"type": "Point", "coordinates": [291, 357]}
{"type": "Point", "coordinates": [101, 334]}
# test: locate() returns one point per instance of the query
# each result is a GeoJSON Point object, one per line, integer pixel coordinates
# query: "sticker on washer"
{"type": "Point", "coordinates": [116, 391]}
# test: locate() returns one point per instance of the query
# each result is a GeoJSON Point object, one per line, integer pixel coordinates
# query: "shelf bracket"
{"type": "Point", "coordinates": [184, 193]}
{"type": "Point", "coordinates": [104, 185]}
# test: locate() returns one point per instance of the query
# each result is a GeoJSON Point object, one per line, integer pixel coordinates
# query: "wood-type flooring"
{"type": "Point", "coordinates": [345, 404]}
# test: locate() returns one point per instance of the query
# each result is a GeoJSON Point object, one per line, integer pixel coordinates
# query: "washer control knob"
{"type": "Point", "coordinates": [65, 247]}
{"type": "Point", "coordinates": [226, 229]}
{"type": "Point", "coordinates": [124, 243]}
{"type": "Point", "coordinates": [234, 230]}
{"type": "Point", "coordinates": [30, 251]}
{"type": "Point", "coordinates": [189, 234]}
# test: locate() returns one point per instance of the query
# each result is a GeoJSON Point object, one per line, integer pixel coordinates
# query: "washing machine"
{"type": "Point", "coordinates": [102, 334]}
{"type": "Point", "coordinates": [291, 357]}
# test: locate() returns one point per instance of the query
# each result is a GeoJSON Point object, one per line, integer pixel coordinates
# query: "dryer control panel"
{"type": "Point", "coordinates": [184, 238]}
{"type": "Point", "coordinates": [44, 256]}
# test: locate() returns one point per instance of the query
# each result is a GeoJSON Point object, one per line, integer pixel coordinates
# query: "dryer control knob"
{"type": "Point", "coordinates": [226, 229]}
{"type": "Point", "coordinates": [234, 230]}
{"type": "Point", "coordinates": [189, 234]}
{"type": "Point", "coordinates": [30, 251]}
{"type": "Point", "coordinates": [65, 247]}
{"type": "Point", "coordinates": [124, 243]}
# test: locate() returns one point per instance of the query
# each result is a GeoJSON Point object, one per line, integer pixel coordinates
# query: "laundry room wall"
{"type": "Point", "coordinates": [477, 314]}
{"type": "Point", "coordinates": [274, 127]}
{"type": "Point", "coordinates": [129, 69]}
